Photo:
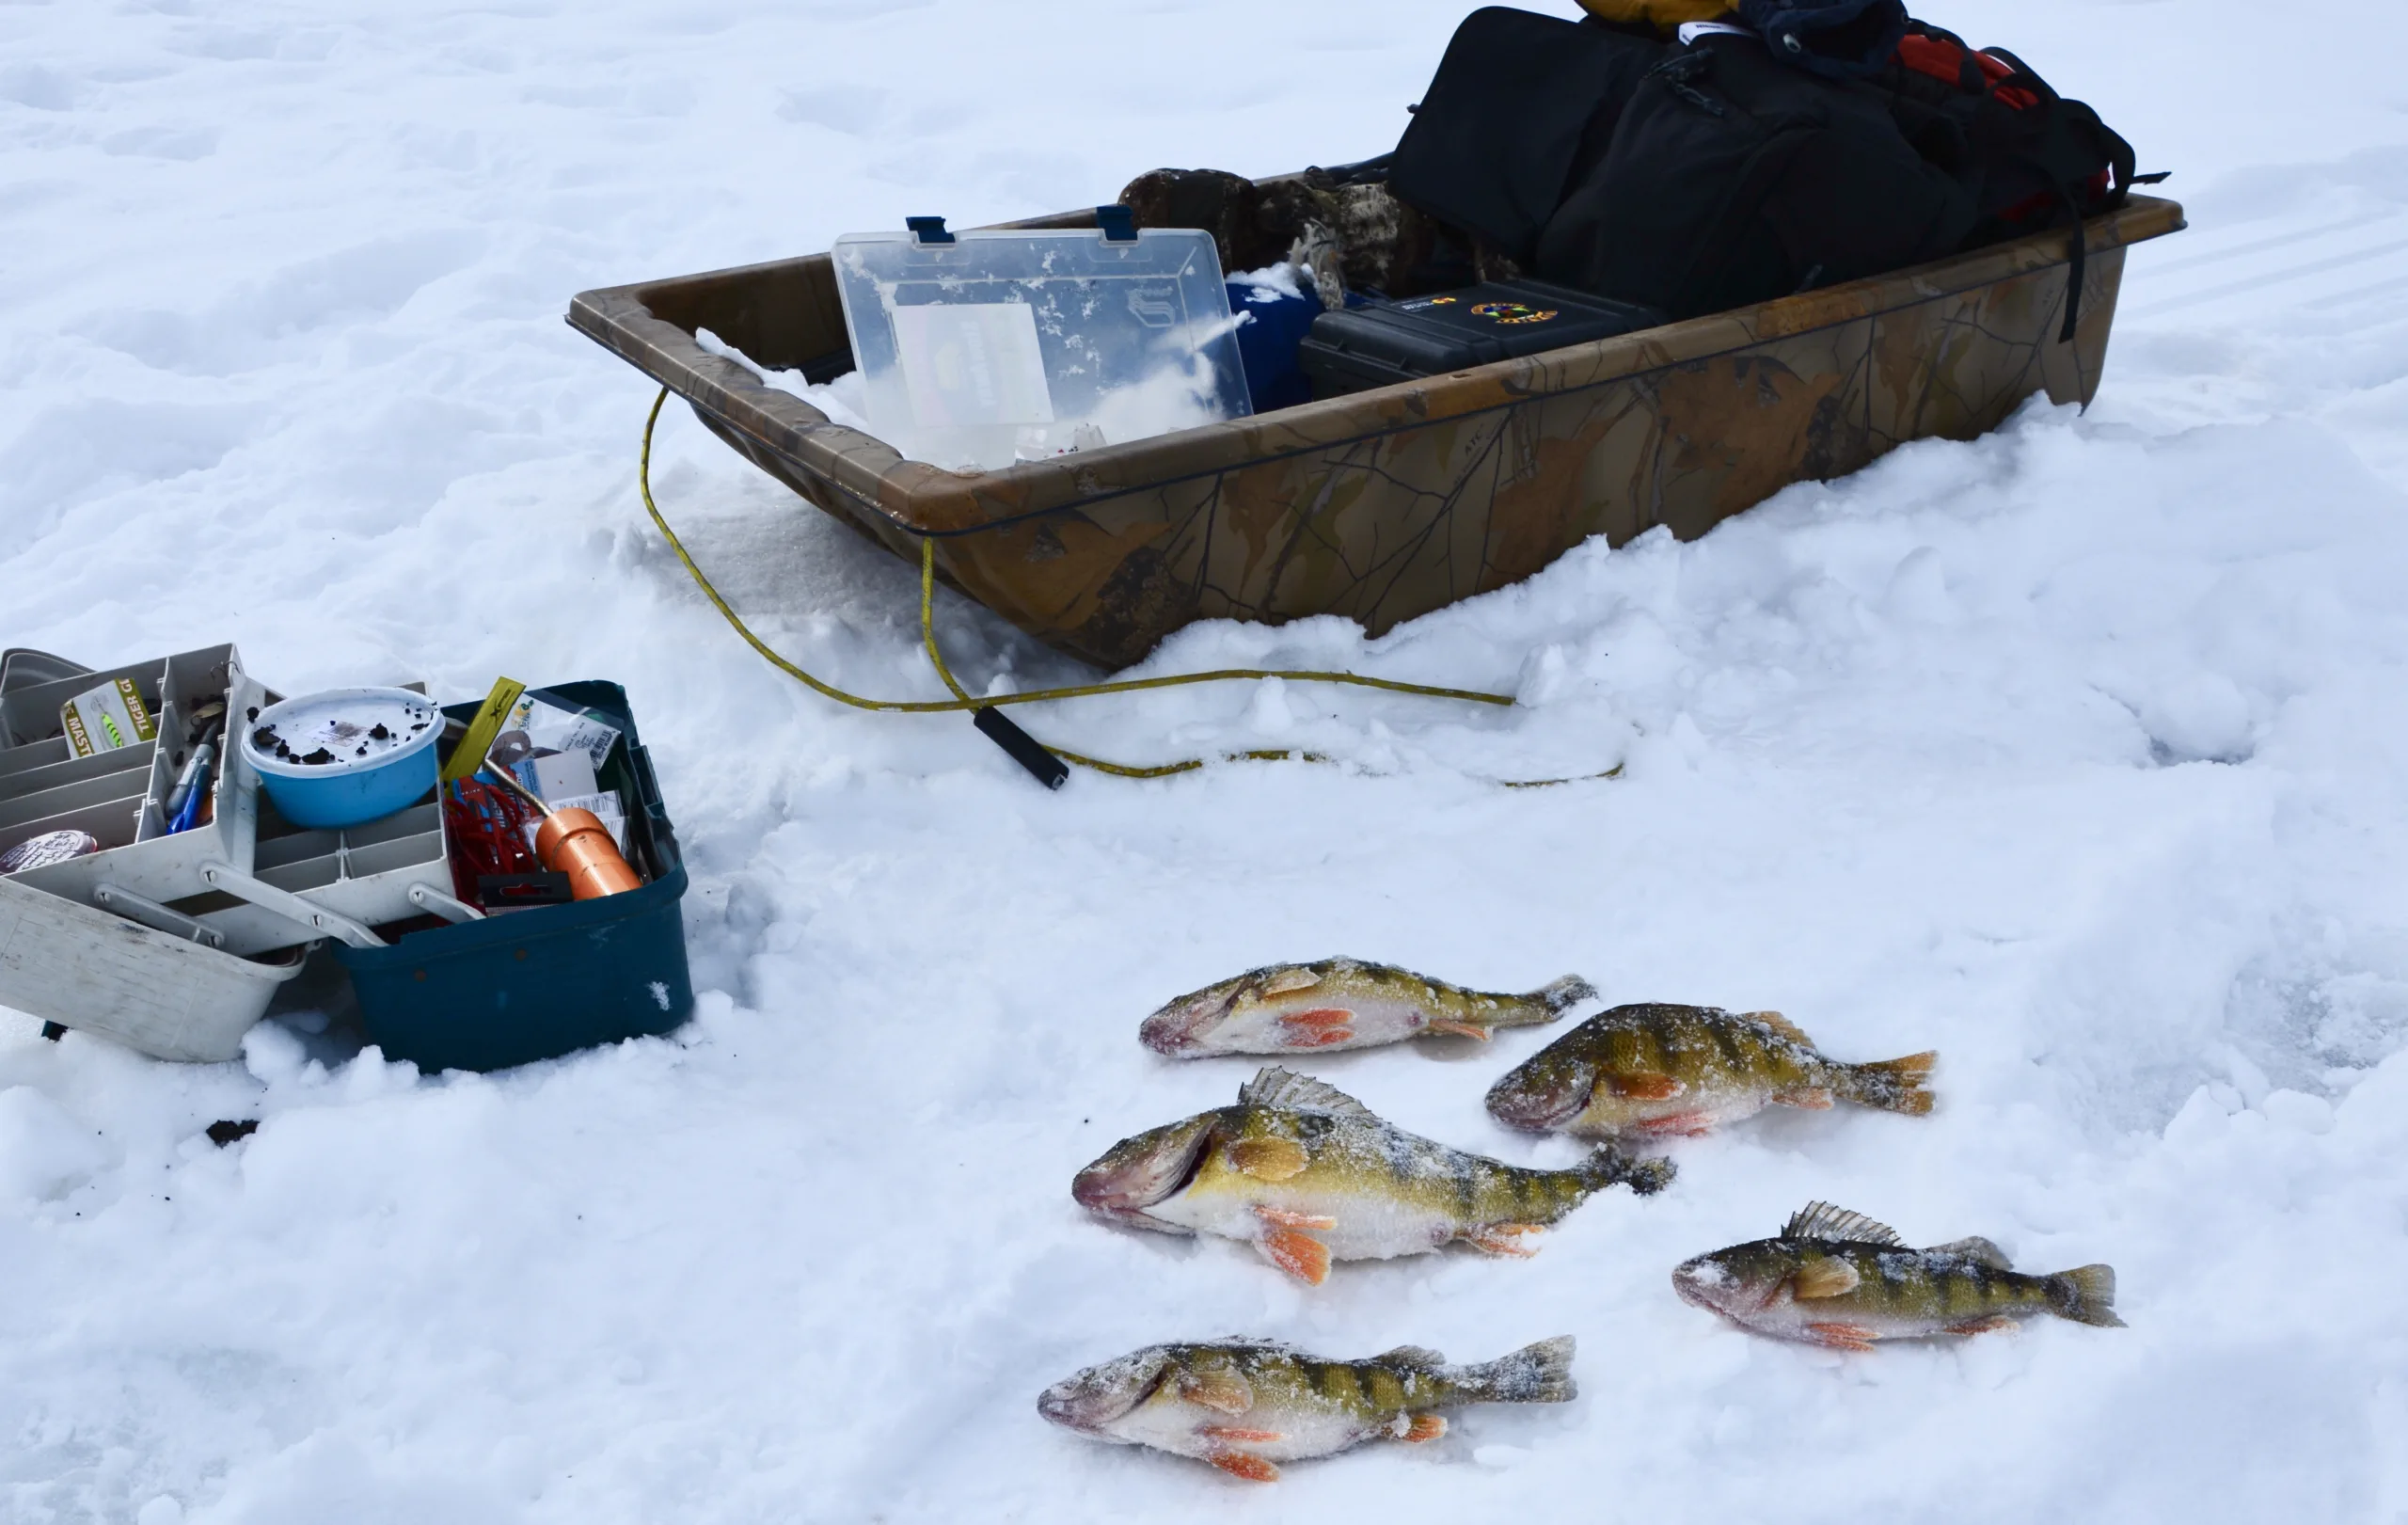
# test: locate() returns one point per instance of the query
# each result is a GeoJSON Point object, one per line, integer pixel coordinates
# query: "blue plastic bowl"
{"type": "Point", "coordinates": [349, 789]}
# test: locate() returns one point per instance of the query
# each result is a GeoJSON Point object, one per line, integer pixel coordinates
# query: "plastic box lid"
{"type": "Point", "coordinates": [982, 348]}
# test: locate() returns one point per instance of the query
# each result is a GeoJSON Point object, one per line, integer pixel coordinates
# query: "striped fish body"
{"type": "Point", "coordinates": [1838, 1278]}
{"type": "Point", "coordinates": [1338, 1004]}
{"type": "Point", "coordinates": [1655, 1070]}
{"type": "Point", "coordinates": [1308, 1176]}
{"type": "Point", "coordinates": [1383, 1191]}
{"type": "Point", "coordinates": [1247, 1406]}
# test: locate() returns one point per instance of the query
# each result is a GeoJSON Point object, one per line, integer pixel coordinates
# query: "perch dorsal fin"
{"type": "Point", "coordinates": [1837, 1225]}
{"type": "Point", "coordinates": [1285, 1089]}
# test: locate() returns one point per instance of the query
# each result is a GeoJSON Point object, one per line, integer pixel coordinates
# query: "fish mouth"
{"type": "Point", "coordinates": [1704, 1282]}
{"type": "Point", "coordinates": [1064, 1404]}
{"type": "Point", "coordinates": [1131, 1217]}
{"type": "Point", "coordinates": [1114, 1191]}
{"type": "Point", "coordinates": [1696, 1281]}
{"type": "Point", "coordinates": [1536, 1106]}
{"type": "Point", "coordinates": [1178, 1029]}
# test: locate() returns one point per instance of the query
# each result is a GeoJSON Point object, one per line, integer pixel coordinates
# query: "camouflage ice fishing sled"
{"type": "Point", "coordinates": [1387, 504]}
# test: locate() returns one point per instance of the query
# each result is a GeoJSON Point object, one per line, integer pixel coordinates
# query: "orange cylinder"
{"type": "Point", "coordinates": [575, 843]}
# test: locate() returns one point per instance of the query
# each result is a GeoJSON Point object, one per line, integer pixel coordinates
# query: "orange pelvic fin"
{"type": "Point", "coordinates": [1238, 1464]}
{"type": "Point", "coordinates": [1292, 1037]}
{"type": "Point", "coordinates": [1811, 1098]}
{"type": "Point", "coordinates": [1280, 1217]}
{"type": "Point", "coordinates": [1319, 1027]}
{"type": "Point", "coordinates": [1842, 1335]}
{"type": "Point", "coordinates": [1297, 1253]}
{"type": "Point", "coordinates": [1424, 1429]}
{"type": "Point", "coordinates": [1504, 1238]}
{"type": "Point", "coordinates": [1678, 1125]}
{"type": "Point", "coordinates": [1457, 1029]}
{"type": "Point", "coordinates": [1320, 1016]}
{"type": "Point", "coordinates": [1224, 1432]}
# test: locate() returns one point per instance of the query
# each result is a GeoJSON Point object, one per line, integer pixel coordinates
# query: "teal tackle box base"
{"type": "Point", "coordinates": [535, 984]}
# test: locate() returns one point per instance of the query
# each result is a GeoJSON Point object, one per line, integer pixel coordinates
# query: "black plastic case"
{"type": "Point", "coordinates": [1384, 342]}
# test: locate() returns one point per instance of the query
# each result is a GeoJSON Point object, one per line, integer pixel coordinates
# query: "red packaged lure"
{"type": "Point", "coordinates": [488, 831]}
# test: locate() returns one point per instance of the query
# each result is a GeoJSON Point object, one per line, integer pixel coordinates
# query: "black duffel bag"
{"type": "Point", "coordinates": [1733, 178]}
{"type": "Point", "coordinates": [1521, 108]}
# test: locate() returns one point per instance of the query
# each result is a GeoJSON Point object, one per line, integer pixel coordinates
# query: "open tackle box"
{"type": "Point", "coordinates": [175, 943]}
{"type": "Point", "coordinates": [519, 986]}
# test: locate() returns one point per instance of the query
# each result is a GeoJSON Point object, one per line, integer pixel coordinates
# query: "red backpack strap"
{"type": "Point", "coordinates": [2011, 82]}
{"type": "Point", "coordinates": [1941, 57]}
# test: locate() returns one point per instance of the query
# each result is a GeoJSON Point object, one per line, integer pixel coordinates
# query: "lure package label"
{"type": "Point", "coordinates": [555, 776]}
{"type": "Point", "coordinates": [107, 718]}
{"type": "Point", "coordinates": [530, 729]}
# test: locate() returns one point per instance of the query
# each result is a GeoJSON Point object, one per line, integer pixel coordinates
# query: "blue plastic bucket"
{"type": "Point", "coordinates": [363, 776]}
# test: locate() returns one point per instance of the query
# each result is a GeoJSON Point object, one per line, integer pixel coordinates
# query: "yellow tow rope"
{"type": "Point", "coordinates": [962, 701]}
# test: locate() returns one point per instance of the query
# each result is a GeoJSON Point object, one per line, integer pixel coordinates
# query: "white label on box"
{"type": "Point", "coordinates": [969, 363]}
{"type": "Point", "coordinates": [556, 777]}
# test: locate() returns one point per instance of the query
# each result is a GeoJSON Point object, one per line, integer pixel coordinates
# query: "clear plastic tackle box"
{"type": "Point", "coordinates": [979, 349]}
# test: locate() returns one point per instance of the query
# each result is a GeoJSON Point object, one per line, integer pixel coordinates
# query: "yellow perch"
{"type": "Point", "coordinates": [1305, 1174]}
{"type": "Point", "coordinates": [1341, 1004]}
{"type": "Point", "coordinates": [1245, 1405]}
{"type": "Point", "coordinates": [1653, 1070]}
{"type": "Point", "coordinates": [1838, 1278]}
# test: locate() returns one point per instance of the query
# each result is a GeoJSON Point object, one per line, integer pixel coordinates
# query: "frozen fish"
{"type": "Point", "coordinates": [1838, 1278]}
{"type": "Point", "coordinates": [1341, 1004]}
{"type": "Point", "coordinates": [1654, 1070]}
{"type": "Point", "coordinates": [1246, 1406]}
{"type": "Point", "coordinates": [1305, 1174]}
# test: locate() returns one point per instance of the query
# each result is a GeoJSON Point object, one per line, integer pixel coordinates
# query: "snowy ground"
{"type": "Point", "coordinates": [2075, 753]}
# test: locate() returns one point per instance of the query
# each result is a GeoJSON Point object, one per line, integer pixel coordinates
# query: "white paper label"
{"type": "Point", "coordinates": [971, 363]}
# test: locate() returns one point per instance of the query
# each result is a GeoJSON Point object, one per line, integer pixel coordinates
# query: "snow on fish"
{"type": "Point", "coordinates": [1342, 1004]}
{"type": "Point", "coordinates": [1306, 1174]}
{"type": "Point", "coordinates": [1245, 1405]}
{"type": "Point", "coordinates": [1838, 1278]}
{"type": "Point", "coordinates": [1653, 1070]}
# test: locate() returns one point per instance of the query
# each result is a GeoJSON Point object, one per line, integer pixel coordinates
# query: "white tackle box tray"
{"type": "Point", "coordinates": [244, 882]}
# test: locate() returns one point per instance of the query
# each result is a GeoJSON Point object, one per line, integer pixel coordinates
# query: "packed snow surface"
{"type": "Point", "coordinates": [2076, 753]}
